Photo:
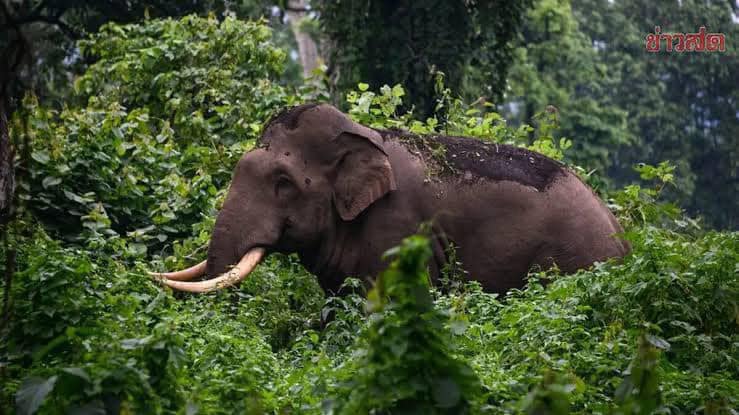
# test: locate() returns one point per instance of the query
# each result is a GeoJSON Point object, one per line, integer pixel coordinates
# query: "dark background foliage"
{"type": "Point", "coordinates": [405, 42]}
{"type": "Point", "coordinates": [584, 57]}
{"type": "Point", "coordinates": [627, 106]}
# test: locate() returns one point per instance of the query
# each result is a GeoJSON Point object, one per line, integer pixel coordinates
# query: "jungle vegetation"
{"type": "Point", "coordinates": [125, 135]}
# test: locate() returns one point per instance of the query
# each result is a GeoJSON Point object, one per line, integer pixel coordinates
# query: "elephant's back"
{"type": "Point", "coordinates": [506, 208]}
{"type": "Point", "coordinates": [471, 159]}
{"type": "Point", "coordinates": [501, 162]}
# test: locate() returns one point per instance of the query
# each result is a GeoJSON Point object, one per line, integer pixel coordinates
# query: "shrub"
{"type": "Point", "coordinates": [150, 139]}
{"type": "Point", "coordinates": [405, 362]}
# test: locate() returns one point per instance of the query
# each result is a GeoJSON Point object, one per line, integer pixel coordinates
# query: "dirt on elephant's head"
{"type": "Point", "coordinates": [289, 116]}
{"type": "Point", "coordinates": [470, 158]}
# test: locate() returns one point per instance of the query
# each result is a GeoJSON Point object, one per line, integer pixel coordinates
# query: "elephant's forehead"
{"type": "Point", "coordinates": [292, 149]}
{"type": "Point", "coordinates": [307, 133]}
{"type": "Point", "coordinates": [298, 137]}
{"type": "Point", "coordinates": [314, 125]}
{"type": "Point", "coordinates": [305, 143]}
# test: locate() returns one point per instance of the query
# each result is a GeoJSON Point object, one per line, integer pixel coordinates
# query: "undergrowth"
{"type": "Point", "coordinates": [115, 178]}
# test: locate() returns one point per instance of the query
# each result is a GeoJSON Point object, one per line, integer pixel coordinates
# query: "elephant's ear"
{"type": "Point", "coordinates": [363, 174]}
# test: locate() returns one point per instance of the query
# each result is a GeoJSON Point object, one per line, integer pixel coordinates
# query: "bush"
{"type": "Point", "coordinates": [147, 145]}
{"type": "Point", "coordinates": [115, 177]}
{"type": "Point", "coordinates": [404, 363]}
{"type": "Point", "coordinates": [582, 331]}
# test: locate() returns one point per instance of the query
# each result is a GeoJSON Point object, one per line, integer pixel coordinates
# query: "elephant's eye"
{"type": "Point", "coordinates": [284, 188]}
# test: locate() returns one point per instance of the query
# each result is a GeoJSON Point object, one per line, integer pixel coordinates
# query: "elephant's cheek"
{"type": "Point", "coordinates": [320, 216]}
{"type": "Point", "coordinates": [305, 232]}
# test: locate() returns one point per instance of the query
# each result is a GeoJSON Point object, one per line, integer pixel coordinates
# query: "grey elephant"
{"type": "Point", "coordinates": [339, 194]}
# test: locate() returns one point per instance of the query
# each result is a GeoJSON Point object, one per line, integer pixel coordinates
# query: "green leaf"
{"type": "Point", "coordinates": [78, 372]}
{"type": "Point", "coordinates": [130, 344]}
{"type": "Point", "coordinates": [657, 342]}
{"type": "Point", "coordinates": [458, 327]}
{"type": "Point", "coordinates": [76, 198]}
{"type": "Point", "coordinates": [118, 133]}
{"type": "Point", "coordinates": [32, 394]}
{"type": "Point", "coordinates": [40, 156]}
{"type": "Point", "coordinates": [50, 181]}
{"type": "Point", "coordinates": [362, 86]}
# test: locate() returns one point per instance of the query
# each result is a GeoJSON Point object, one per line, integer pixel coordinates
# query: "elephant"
{"type": "Point", "coordinates": [340, 194]}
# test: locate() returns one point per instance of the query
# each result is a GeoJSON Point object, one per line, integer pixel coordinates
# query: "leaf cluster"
{"type": "Point", "coordinates": [147, 145]}
{"type": "Point", "coordinates": [406, 363]}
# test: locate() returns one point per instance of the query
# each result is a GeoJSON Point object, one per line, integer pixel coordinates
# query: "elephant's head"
{"type": "Point", "coordinates": [314, 168]}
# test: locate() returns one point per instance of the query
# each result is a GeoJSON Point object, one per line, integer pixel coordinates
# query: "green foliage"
{"type": "Point", "coordinates": [639, 391]}
{"type": "Point", "coordinates": [32, 393]}
{"type": "Point", "coordinates": [407, 365]}
{"type": "Point", "coordinates": [383, 110]}
{"type": "Point", "coordinates": [626, 106]}
{"type": "Point", "coordinates": [679, 292]}
{"type": "Point", "coordinates": [88, 331]}
{"type": "Point", "coordinates": [551, 395]}
{"type": "Point", "coordinates": [556, 66]}
{"type": "Point", "coordinates": [96, 333]}
{"type": "Point", "coordinates": [156, 126]}
{"type": "Point", "coordinates": [638, 205]}
{"type": "Point", "coordinates": [426, 36]}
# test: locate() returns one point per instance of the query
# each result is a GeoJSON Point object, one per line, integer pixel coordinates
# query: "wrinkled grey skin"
{"type": "Point", "coordinates": [340, 194]}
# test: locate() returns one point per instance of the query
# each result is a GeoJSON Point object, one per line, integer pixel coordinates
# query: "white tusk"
{"type": "Point", "coordinates": [237, 274]}
{"type": "Point", "coordinates": [184, 275]}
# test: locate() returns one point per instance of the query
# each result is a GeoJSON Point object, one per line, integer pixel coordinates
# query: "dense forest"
{"type": "Point", "coordinates": [121, 124]}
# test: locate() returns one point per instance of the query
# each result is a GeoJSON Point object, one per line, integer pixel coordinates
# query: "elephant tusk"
{"type": "Point", "coordinates": [237, 274]}
{"type": "Point", "coordinates": [183, 275]}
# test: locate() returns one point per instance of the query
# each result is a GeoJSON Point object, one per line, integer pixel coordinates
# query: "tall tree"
{"type": "Point", "coordinates": [296, 11]}
{"type": "Point", "coordinates": [7, 173]}
{"type": "Point", "coordinates": [39, 36]}
{"type": "Point", "coordinates": [389, 42]}
{"type": "Point", "coordinates": [681, 106]}
{"type": "Point", "coordinates": [38, 44]}
{"type": "Point", "coordinates": [38, 39]}
{"type": "Point", "coordinates": [557, 64]}
{"type": "Point", "coordinates": [623, 105]}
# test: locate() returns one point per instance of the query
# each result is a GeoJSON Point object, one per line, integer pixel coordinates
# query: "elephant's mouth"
{"type": "Point", "coordinates": [181, 280]}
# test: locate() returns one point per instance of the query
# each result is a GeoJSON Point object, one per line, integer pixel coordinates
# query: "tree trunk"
{"type": "Point", "coordinates": [7, 173]}
{"type": "Point", "coordinates": [7, 186]}
{"type": "Point", "coordinates": [296, 12]}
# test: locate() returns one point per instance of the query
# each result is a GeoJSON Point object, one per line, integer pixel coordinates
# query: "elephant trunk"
{"type": "Point", "coordinates": [228, 243]}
